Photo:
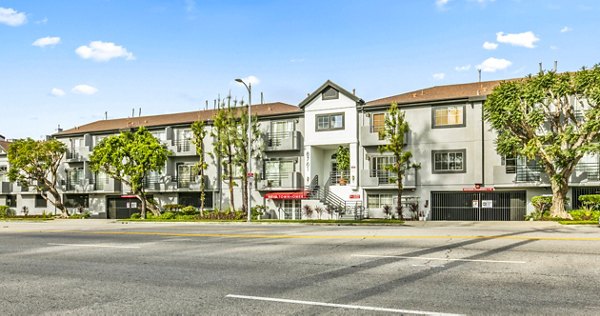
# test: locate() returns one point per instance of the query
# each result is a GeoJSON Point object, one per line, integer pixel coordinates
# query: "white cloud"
{"type": "Point", "coordinates": [441, 4]}
{"type": "Point", "coordinates": [103, 51]}
{"type": "Point", "coordinates": [42, 21]}
{"type": "Point", "coordinates": [251, 79]}
{"type": "Point", "coordinates": [84, 89]}
{"type": "Point", "coordinates": [566, 29]}
{"type": "Point", "coordinates": [46, 41]}
{"type": "Point", "coordinates": [11, 17]}
{"type": "Point", "coordinates": [462, 68]}
{"type": "Point", "coordinates": [493, 64]}
{"type": "Point", "coordinates": [525, 39]}
{"type": "Point", "coordinates": [490, 45]}
{"type": "Point", "coordinates": [57, 92]}
{"type": "Point", "coordinates": [439, 76]}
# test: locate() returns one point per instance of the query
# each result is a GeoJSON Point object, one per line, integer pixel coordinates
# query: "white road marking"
{"type": "Point", "coordinates": [95, 246]}
{"type": "Point", "coordinates": [176, 239]}
{"type": "Point", "coordinates": [359, 307]}
{"type": "Point", "coordinates": [442, 259]}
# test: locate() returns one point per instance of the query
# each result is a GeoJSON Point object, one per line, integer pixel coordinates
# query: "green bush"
{"type": "Point", "coordinates": [590, 201]}
{"type": "Point", "coordinates": [585, 215]}
{"type": "Point", "coordinates": [6, 211]}
{"type": "Point", "coordinates": [80, 216]}
{"type": "Point", "coordinates": [173, 207]}
{"type": "Point", "coordinates": [167, 215]}
{"type": "Point", "coordinates": [136, 216]}
{"type": "Point", "coordinates": [188, 210]}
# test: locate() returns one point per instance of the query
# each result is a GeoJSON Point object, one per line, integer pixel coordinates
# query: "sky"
{"type": "Point", "coordinates": [68, 63]}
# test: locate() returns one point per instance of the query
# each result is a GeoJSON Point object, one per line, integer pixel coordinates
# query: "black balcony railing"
{"type": "Point", "coordinates": [591, 169]}
{"type": "Point", "coordinates": [531, 173]}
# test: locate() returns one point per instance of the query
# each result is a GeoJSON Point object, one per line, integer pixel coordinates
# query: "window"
{"type": "Point", "coordinates": [327, 122]}
{"type": "Point", "coordinates": [75, 177]}
{"type": "Point", "coordinates": [378, 169]}
{"type": "Point", "coordinates": [510, 164]}
{"type": "Point", "coordinates": [280, 132]}
{"type": "Point", "coordinates": [186, 175]}
{"type": "Point", "coordinates": [377, 123]}
{"type": "Point", "coordinates": [277, 171]}
{"type": "Point", "coordinates": [330, 94]}
{"type": "Point", "coordinates": [40, 201]}
{"type": "Point", "coordinates": [11, 200]}
{"type": "Point", "coordinates": [379, 200]}
{"type": "Point", "coordinates": [193, 199]}
{"type": "Point", "coordinates": [101, 181]}
{"type": "Point", "coordinates": [449, 161]}
{"type": "Point", "coordinates": [77, 200]}
{"type": "Point", "coordinates": [448, 116]}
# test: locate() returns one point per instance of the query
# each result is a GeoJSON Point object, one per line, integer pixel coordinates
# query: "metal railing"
{"type": "Point", "coordinates": [529, 173]}
{"type": "Point", "coordinates": [336, 176]}
{"type": "Point", "coordinates": [183, 145]}
{"type": "Point", "coordinates": [591, 169]}
{"type": "Point", "coordinates": [344, 209]}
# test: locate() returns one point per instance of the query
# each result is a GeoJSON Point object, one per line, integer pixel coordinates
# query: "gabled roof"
{"type": "Point", "coordinates": [440, 93]}
{"type": "Point", "coordinates": [332, 84]}
{"type": "Point", "coordinates": [4, 146]}
{"type": "Point", "coordinates": [266, 109]}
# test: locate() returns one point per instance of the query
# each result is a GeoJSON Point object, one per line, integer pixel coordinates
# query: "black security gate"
{"type": "Point", "coordinates": [478, 206]}
{"type": "Point", "coordinates": [579, 191]}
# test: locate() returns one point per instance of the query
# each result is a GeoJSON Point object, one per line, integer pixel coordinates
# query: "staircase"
{"type": "Point", "coordinates": [348, 210]}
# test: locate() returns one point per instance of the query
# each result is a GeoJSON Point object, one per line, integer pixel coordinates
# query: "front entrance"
{"type": "Point", "coordinates": [122, 207]}
{"type": "Point", "coordinates": [478, 206]}
{"type": "Point", "coordinates": [288, 209]}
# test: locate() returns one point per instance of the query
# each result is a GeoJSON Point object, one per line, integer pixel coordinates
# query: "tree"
{"type": "Point", "coordinates": [199, 132]}
{"type": "Point", "coordinates": [342, 161]}
{"type": "Point", "coordinates": [224, 135]}
{"type": "Point", "coordinates": [552, 118]}
{"type": "Point", "coordinates": [128, 157]}
{"type": "Point", "coordinates": [241, 152]}
{"type": "Point", "coordinates": [36, 163]}
{"type": "Point", "coordinates": [393, 132]}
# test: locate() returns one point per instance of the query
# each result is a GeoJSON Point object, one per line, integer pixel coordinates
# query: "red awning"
{"type": "Point", "coordinates": [287, 195]}
{"type": "Point", "coordinates": [480, 189]}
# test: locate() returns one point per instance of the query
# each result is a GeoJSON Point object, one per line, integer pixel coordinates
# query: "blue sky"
{"type": "Point", "coordinates": [69, 62]}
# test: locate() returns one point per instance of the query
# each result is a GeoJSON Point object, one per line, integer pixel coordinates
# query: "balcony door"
{"type": "Point", "coordinates": [278, 171]}
{"type": "Point", "coordinates": [280, 130]}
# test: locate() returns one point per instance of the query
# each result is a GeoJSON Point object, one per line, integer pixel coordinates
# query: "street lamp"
{"type": "Point", "coordinates": [249, 176]}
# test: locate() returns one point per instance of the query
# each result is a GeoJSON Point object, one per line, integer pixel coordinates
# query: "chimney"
{"type": "Point", "coordinates": [262, 100]}
{"type": "Point", "coordinates": [541, 70]}
{"type": "Point", "coordinates": [555, 65]}
{"type": "Point", "coordinates": [479, 71]}
{"type": "Point", "coordinates": [59, 129]}
{"type": "Point", "coordinates": [140, 112]}
{"type": "Point", "coordinates": [353, 91]}
{"type": "Point", "coordinates": [105, 115]}
{"type": "Point", "coordinates": [133, 112]}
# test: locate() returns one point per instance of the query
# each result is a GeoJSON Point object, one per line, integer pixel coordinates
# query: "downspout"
{"type": "Point", "coordinates": [482, 147]}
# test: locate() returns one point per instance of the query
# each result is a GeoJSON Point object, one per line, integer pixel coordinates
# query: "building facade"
{"type": "Point", "coordinates": [458, 174]}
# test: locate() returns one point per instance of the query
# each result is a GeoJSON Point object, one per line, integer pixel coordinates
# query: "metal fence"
{"type": "Point", "coordinates": [478, 206]}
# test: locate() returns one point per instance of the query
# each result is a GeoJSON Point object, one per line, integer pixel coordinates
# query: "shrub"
{"type": "Point", "coordinates": [167, 215]}
{"type": "Point", "coordinates": [173, 207]}
{"type": "Point", "coordinates": [319, 211]}
{"type": "Point", "coordinates": [80, 216]}
{"type": "Point", "coordinates": [188, 210]}
{"type": "Point", "coordinates": [308, 211]}
{"type": "Point", "coordinates": [257, 211]}
{"type": "Point", "coordinates": [6, 211]}
{"type": "Point", "coordinates": [590, 201]}
{"type": "Point", "coordinates": [387, 210]}
{"type": "Point", "coordinates": [136, 216]}
{"type": "Point", "coordinates": [542, 203]}
{"type": "Point", "coordinates": [585, 215]}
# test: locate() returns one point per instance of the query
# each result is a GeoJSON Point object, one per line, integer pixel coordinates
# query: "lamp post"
{"type": "Point", "coordinates": [249, 147]}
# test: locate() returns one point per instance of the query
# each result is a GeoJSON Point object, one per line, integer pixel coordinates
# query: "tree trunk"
{"type": "Point", "coordinates": [399, 201]}
{"type": "Point", "coordinates": [202, 193]}
{"type": "Point", "coordinates": [143, 201]}
{"type": "Point", "coordinates": [559, 195]}
{"type": "Point", "coordinates": [57, 201]}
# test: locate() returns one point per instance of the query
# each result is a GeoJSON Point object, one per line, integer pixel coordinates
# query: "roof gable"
{"type": "Point", "coordinates": [326, 85]}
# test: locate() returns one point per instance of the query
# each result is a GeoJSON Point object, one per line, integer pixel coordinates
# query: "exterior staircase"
{"type": "Point", "coordinates": [345, 210]}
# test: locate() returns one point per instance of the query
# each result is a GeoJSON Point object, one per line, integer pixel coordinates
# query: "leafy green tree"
{"type": "Point", "coordinates": [394, 132]}
{"type": "Point", "coordinates": [241, 146]}
{"type": "Point", "coordinates": [553, 118]}
{"type": "Point", "coordinates": [224, 139]}
{"type": "Point", "coordinates": [199, 131]}
{"type": "Point", "coordinates": [342, 161]}
{"type": "Point", "coordinates": [129, 157]}
{"type": "Point", "coordinates": [36, 163]}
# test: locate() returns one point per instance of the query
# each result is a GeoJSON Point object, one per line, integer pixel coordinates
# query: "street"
{"type": "Point", "coordinates": [99, 267]}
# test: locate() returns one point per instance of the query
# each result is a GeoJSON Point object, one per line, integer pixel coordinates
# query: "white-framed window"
{"type": "Point", "coordinates": [328, 122]}
{"type": "Point", "coordinates": [448, 116]}
{"type": "Point", "coordinates": [379, 200]}
{"type": "Point", "coordinates": [449, 161]}
{"type": "Point", "coordinates": [277, 171]}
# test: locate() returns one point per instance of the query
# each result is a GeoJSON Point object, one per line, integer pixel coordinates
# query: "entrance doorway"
{"type": "Point", "coordinates": [478, 206]}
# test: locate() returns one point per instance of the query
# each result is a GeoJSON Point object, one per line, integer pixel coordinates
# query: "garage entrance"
{"type": "Point", "coordinates": [478, 206]}
{"type": "Point", "coordinates": [120, 207]}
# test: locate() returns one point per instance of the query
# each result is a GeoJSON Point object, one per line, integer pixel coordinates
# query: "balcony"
{"type": "Point", "coordinates": [74, 156]}
{"type": "Point", "coordinates": [386, 179]}
{"type": "Point", "coordinates": [285, 182]}
{"type": "Point", "coordinates": [370, 137]}
{"type": "Point", "coordinates": [173, 184]}
{"type": "Point", "coordinates": [533, 173]}
{"type": "Point", "coordinates": [183, 147]}
{"type": "Point", "coordinates": [586, 172]}
{"type": "Point", "coordinates": [79, 186]}
{"type": "Point", "coordinates": [284, 141]}
{"type": "Point", "coordinates": [109, 185]}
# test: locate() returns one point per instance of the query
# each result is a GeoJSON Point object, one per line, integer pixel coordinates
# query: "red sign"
{"type": "Point", "coordinates": [355, 196]}
{"type": "Point", "coordinates": [287, 195]}
{"type": "Point", "coordinates": [478, 189]}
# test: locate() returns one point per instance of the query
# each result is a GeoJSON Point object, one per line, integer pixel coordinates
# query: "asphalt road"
{"type": "Point", "coordinates": [96, 267]}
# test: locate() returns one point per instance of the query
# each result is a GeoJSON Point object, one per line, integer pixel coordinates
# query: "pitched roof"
{"type": "Point", "coordinates": [266, 109]}
{"type": "Point", "coordinates": [332, 84]}
{"type": "Point", "coordinates": [4, 145]}
{"type": "Point", "coordinates": [439, 93]}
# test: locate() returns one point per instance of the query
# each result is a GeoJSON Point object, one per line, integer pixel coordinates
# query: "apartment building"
{"type": "Point", "coordinates": [460, 175]}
